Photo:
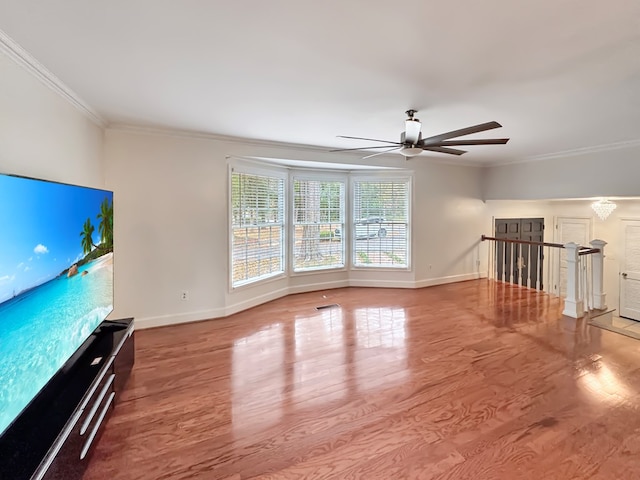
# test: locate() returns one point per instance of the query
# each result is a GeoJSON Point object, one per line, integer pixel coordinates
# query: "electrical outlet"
{"type": "Point", "coordinates": [184, 295]}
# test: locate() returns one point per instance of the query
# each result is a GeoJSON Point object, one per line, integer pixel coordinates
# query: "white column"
{"type": "Point", "coordinates": [573, 304]}
{"type": "Point", "coordinates": [597, 273]}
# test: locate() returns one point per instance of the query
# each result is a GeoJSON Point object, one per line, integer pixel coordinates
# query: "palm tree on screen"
{"type": "Point", "coordinates": [105, 227]}
{"type": "Point", "coordinates": [87, 236]}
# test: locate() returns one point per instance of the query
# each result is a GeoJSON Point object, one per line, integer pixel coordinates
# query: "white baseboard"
{"type": "Point", "coordinates": [255, 301]}
{"type": "Point", "coordinates": [165, 320]}
{"type": "Point", "coordinates": [314, 287]}
{"type": "Point", "coordinates": [283, 292]}
{"type": "Point", "coordinates": [432, 282]}
{"type": "Point", "coordinates": [382, 283]}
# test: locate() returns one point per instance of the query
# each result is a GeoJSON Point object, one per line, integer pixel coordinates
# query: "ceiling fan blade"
{"type": "Point", "coordinates": [486, 141]}
{"type": "Point", "coordinates": [381, 153]}
{"type": "Point", "coordinates": [365, 148]}
{"type": "Point", "coordinates": [452, 151]}
{"type": "Point", "coordinates": [460, 133]}
{"type": "Point", "coordinates": [369, 139]}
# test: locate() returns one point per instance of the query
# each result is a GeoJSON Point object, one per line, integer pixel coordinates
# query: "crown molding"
{"type": "Point", "coordinates": [27, 61]}
{"type": "Point", "coordinates": [171, 132]}
{"type": "Point", "coordinates": [585, 150]}
{"type": "Point", "coordinates": [607, 147]}
{"type": "Point", "coordinates": [175, 132]}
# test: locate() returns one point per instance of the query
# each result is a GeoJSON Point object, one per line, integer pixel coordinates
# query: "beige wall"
{"type": "Point", "coordinates": [614, 172]}
{"type": "Point", "coordinates": [171, 205]}
{"type": "Point", "coordinates": [42, 135]}
{"type": "Point", "coordinates": [171, 226]}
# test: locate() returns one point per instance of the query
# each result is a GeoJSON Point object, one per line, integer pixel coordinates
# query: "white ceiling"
{"type": "Point", "coordinates": [559, 75]}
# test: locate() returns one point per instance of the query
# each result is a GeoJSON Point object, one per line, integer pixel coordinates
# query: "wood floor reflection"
{"type": "Point", "coordinates": [475, 380]}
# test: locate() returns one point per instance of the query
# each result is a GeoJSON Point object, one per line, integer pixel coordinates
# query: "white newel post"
{"type": "Point", "coordinates": [597, 271]}
{"type": "Point", "coordinates": [573, 304]}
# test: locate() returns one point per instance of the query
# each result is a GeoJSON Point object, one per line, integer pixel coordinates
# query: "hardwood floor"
{"type": "Point", "coordinates": [475, 380]}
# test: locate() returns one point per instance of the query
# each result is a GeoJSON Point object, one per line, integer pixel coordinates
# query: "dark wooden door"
{"type": "Point", "coordinates": [515, 263]}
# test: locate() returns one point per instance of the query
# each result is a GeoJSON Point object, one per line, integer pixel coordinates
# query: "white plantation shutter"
{"type": "Point", "coordinates": [318, 220]}
{"type": "Point", "coordinates": [257, 224]}
{"type": "Point", "coordinates": [380, 227]}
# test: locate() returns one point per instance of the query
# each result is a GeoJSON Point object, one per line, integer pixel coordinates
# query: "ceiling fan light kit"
{"type": "Point", "coordinates": [410, 151]}
{"type": "Point", "coordinates": [411, 128]}
{"type": "Point", "coordinates": [411, 142]}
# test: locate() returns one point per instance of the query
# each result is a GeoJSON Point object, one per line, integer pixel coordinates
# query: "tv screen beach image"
{"type": "Point", "coordinates": [56, 281]}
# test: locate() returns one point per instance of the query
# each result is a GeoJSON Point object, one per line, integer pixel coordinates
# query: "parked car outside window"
{"type": "Point", "coordinates": [370, 227]}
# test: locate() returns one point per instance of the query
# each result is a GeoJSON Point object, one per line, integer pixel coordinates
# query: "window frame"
{"type": "Point", "coordinates": [264, 171]}
{"type": "Point", "coordinates": [342, 178]}
{"type": "Point", "coordinates": [383, 177]}
{"type": "Point", "coordinates": [289, 175]}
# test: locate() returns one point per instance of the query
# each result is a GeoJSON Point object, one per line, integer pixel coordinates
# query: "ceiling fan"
{"type": "Point", "coordinates": [411, 142]}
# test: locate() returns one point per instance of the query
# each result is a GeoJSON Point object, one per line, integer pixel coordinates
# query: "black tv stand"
{"type": "Point", "coordinates": [53, 437]}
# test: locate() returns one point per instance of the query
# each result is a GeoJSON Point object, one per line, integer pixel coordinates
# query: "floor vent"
{"type": "Point", "coordinates": [331, 305]}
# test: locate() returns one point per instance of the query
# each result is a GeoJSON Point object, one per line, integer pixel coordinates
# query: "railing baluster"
{"type": "Point", "coordinates": [547, 268]}
{"type": "Point", "coordinates": [529, 266]}
{"type": "Point", "coordinates": [558, 287]}
{"type": "Point", "coordinates": [539, 269]}
{"type": "Point", "coordinates": [503, 260]}
{"type": "Point", "coordinates": [489, 262]}
{"type": "Point", "coordinates": [587, 300]}
{"type": "Point", "coordinates": [511, 265]}
{"type": "Point", "coordinates": [580, 293]}
{"type": "Point", "coordinates": [493, 254]}
{"type": "Point", "coordinates": [589, 281]}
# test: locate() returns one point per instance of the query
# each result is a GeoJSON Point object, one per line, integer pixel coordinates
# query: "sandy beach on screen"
{"type": "Point", "coordinates": [104, 261]}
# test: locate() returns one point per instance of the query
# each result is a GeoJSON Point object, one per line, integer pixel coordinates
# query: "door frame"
{"type": "Point", "coordinates": [622, 258]}
{"type": "Point", "coordinates": [554, 263]}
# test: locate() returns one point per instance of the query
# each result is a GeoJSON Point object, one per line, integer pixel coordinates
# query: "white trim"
{"type": "Point", "coordinates": [27, 61]}
{"type": "Point", "coordinates": [354, 157]}
{"type": "Point", "coordinates": [432, 282]}
{"type": "Point", "coordinates": [320, 177]}
{"type": "Point", "coordinates": [169, 132]}
{"type": "Point", "coordinates": [278, 174]}
{"type": "Point", "coordinates": [620, 257]}
{"type": "Point", "coordinates": [376, 283]}
{"type": "Point", "coordinates": [283, 292]}
{"type": "Point", "coordinates": [314, 287]}
{"type": "Point", "coordinates": [167, 320]}
{"type": "Point", "coordinates": [607, 147]}
{"type": "Point", "coordinates": [176, 319]}
{"type": "Point", "coordinates": [315, 166]}
{"type": "Point", "coordinates": [255, 301]}
{"type": "Point", "coordinates": [256, 167]}
{"type": "Point", "coordinates": [556, 253]}
{"type": "Point", "coordinates": [350, 222]}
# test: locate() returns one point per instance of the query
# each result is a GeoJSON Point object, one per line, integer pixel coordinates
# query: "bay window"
{"type": "Point", "coordinates": [257, 226]}
{"type": "Point", "coordinates": [380, 223]}
{"type": "Point", "coordinates": [318, 220]}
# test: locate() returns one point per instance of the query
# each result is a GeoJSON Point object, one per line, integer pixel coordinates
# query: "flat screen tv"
{"type": "Point", "coordinates": [56, 281]}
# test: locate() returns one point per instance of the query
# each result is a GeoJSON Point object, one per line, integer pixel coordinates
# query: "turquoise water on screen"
{"type": "Point", "coordinates": [42, 327]}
